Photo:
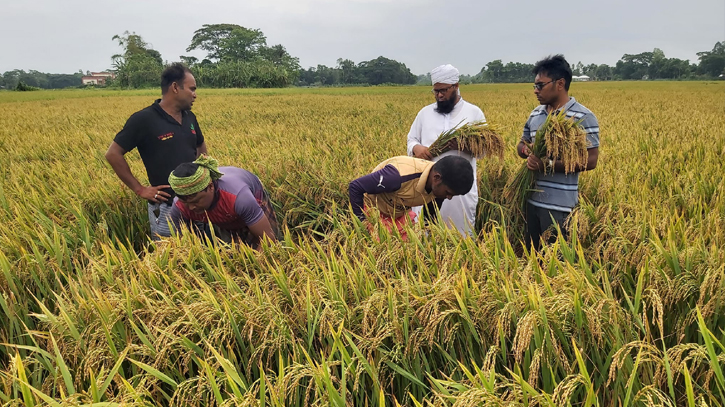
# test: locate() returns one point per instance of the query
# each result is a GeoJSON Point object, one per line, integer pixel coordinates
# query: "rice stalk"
{"type": "Point", "coordinates": [560, 139]}
{"type": "Point", "coordinates": [479, 138]}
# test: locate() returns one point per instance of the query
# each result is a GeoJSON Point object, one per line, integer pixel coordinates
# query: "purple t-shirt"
{"type": "Point", "coordinates": [236, 205]}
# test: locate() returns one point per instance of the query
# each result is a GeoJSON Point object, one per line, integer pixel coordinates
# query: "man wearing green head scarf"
{"type": "Point", "coordinates": [233, 200]}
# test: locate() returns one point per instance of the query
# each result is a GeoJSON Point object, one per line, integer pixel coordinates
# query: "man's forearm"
{"type": "Point", "coordinates": [356, 193]}
{"type": "Point", "coordinates": [259, 230]}
{"type": "Point", "coordinates": [381, 181]}
{"type": "Point", "coordinates": [201, 149]}
{"type": "Point", "coordinates": [592, 158]}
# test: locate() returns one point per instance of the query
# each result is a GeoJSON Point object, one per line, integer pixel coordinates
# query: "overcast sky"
{"type": "Point", "coordinates": [63, 36]}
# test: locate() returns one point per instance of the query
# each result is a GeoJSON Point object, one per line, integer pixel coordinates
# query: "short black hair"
{"type": "Point", "coordinates": [175, 72]}
{"type": "Point", "coordinates": [456, 173]}
{"type": "Point", "coordinates": [555, 67]}
{"type": "Point", "coordinates": [186, 170]}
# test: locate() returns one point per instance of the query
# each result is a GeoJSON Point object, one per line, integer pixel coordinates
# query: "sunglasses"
{"type": "Point", "coordinates": [539, 86]}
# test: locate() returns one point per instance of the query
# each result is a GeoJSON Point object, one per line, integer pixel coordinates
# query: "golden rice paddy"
{"type": "Point", "coordinates": [629, 312]}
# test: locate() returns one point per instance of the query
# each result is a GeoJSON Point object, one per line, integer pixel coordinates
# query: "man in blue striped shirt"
{"type": "Point", "coordinates": [556, 193]}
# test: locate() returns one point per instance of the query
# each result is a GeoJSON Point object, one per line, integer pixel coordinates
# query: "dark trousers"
{"type": "Point", "coordinates": [538, 221]}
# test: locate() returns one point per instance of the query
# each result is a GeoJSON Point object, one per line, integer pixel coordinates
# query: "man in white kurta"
{"type": "Point", "coordinates": [449, 110]}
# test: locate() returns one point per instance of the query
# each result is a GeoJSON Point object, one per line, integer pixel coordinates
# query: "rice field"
{"type": "Point", "coordinates": [629, 312]}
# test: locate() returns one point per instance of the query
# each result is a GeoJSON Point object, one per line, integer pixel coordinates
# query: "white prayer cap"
{"type": "Point", "coordinates": [444, 74]}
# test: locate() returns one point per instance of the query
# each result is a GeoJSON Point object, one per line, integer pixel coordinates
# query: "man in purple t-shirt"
{"type": "Point", "coordinates": [232, 199]}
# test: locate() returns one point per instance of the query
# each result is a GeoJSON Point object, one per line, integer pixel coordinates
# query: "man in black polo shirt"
{"type": "Point", "coordinates": [166, 135]}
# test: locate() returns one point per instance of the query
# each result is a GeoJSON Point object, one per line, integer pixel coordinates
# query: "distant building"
{"type": "Point", "coordinates": [97, 78]}
{"type": "Point", "coordinates": [582, 78]}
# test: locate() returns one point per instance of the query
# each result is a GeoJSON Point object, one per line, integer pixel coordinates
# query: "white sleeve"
{"type": "Point", "coordinates": [481, 117]}
{"type": "Point", "coordinates": [415, 134]}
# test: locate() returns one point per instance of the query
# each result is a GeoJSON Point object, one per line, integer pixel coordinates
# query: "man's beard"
{"type": "Point", "coordinates": [446, 106]}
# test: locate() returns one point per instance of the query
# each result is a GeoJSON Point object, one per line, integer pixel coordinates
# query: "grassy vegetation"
{"type": "Point", "coordinates": [629, 312]}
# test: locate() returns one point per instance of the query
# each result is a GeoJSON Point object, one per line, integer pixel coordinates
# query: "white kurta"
{"type": "Point", "coordinates": [428, 125]}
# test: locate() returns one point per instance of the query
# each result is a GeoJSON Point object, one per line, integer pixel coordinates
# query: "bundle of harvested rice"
{"type": "Point", "coordinates": [478, 138]}
{"type": "Point", "coordinates": [560, 139]}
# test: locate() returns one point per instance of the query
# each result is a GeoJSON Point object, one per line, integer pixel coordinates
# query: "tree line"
{"type": "Point", "coordinates": [36, 79]}
{"type": "Point", "coordinates": [236, 57]}
{"type": "Point", "coordinates": [652, 65]}
{"type": "Point", "coordinates": [239, 57]}
{"type": "Point", "coordinates": [378, 71]}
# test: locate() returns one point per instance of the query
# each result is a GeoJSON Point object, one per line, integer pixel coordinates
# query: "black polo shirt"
{"type": "Point", "coordinates": [162, 142]}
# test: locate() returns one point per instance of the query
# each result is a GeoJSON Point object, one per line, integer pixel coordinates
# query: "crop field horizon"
{"type": "Point", "coordinates": [630, 311]}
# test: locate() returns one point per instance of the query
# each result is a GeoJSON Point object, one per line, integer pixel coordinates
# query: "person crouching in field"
{"type": "Point", "coordinates": [400, 183]}
{"type": "Point", "coordinates": [233, 200]}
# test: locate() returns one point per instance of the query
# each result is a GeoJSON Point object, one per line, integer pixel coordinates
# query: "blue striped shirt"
{"type": "Point", "coordinates": [559, 191]}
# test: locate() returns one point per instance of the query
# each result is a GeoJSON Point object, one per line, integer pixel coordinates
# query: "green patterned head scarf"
{"type": "Point", "coordinates": [204, 175]}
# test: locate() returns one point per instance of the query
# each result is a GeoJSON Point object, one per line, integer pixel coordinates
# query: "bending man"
{"type": "Point", "coordinates": [400, 183]}
{"type": "Point", "coordinates": [233, 200]}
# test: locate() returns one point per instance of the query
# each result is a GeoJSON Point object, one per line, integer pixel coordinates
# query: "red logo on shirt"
{"type": "Point", "coordinates": [166, 136]}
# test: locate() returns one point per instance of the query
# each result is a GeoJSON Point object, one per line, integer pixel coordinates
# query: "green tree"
{"type": "Point", "coordinates": [657, 65]}
{"type": "Point", "coordinates": [465, 79]}
{"type": "Point", "coordinates": [59, 81]}
{"type": "Point", "coordinates": [496, 72]}
{"type": "Point", "coordinates": [36, 79]}
{"type": "Point", "coordinates": [517, 72]}
{"type": "Point", "coordinates": [374, 72]}
{"type": "Point", "coordinates": [241, 57]}
{"type": "Point", "coordinates": [425, 80]}
{"type": "Point", "coordinates": [11, 78]}
{"type": "Point", "coordinates": [712, 63]}
{"type": "Point", "coordinates": [139, 65]}
{"type": "Point", "coordinates": [347, 71]}
{"type": "Point", "coordinates": [242, 74]}
{"type": "Point", "coordinates": [603, 72]}
{"type": "Point", "coordinates": [651, 65]}
{"type": "Point", "coordinates": [383, 70]}
{"type": "Point", "coordinates": [634, 66]}
{"type": "Point", "coordinates": [307, 77]}
{"type": "Point", "coordinates": [590, 71]}
{"type": "Point", "coordinates": [228, 42]}
{"type": "Point", "coordinates": [278, 55]}
{"type": "Point", "coordinates": [135, 47]}
{"type": "Point", "coordinates": [189, 61]}
{"type": "Point", "coordinates": [325, 75]}
{"type": "Point", "coordinates": [678, 68]}
{"type": "Point", "coordinates": [493, 71]}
